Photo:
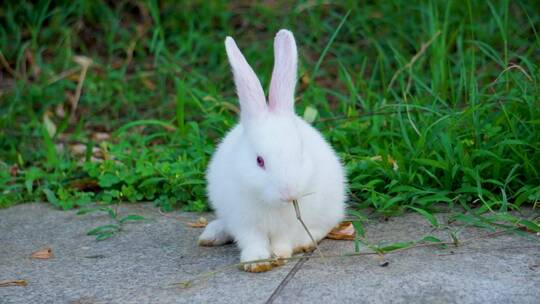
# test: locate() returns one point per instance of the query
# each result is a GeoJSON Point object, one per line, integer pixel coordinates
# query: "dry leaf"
{"type": "Point", "coordinates": [8, 283]}
{"type": "Point", "coordinates": [149, 84]}
{"type": "Point", "coordinates": [343, 231]}
{"type": "Point", "coordinates": [80, 149]}
{"type": "Point", "coordinates": [36, 70]}
{"type": "Point", "coordinates": [100, 136]}
{"type": "Point", "coordinates": [44, 253]}
{"type": "Point", "coordinates": [49, 124]}
{"type": "Point", "coordinates": [305, 80]}
{"type": "Point", "coordinates": [73, 77]}
{"type": "Point", "coordinates": [394, 163]}
{"type": "Point", "coordinates": [83, 61]}
{"type": "Point", "coordinates": [60, 111]}
{"type": "Point", "coordinates": [200, 223]}
{"type": "Point", "coordinates": [85, 184]}
{"type": "Point", "coordinates": [390, 159]}
{"type": "Point", "coordinates": [14, 171]}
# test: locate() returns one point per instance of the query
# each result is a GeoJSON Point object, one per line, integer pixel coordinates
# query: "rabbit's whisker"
{"type": "Point", "coordinates": [307, 194]}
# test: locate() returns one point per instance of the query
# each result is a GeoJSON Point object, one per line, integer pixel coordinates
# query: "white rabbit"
{"type": "Point", "coordinates": [269, 159]}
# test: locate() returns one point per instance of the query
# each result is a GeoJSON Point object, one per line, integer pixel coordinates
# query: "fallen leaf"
{"type": "Point", "coordinates": [394, 163]}
{"type": "Point", "coordinates": [36, 70]}
{"type": "Point", "coordinates": [73, 77]}
{"type": "Point", "coordinates": [390, 159]}
{"type": "Point", "coordinates": [49, 124]}
{"type": "Point", "coordinates": [200, 223]}
{"type": "Point", "coordinates": [149, 84]}
{"type": "Point", "coordinates": [80, 149]}
{"type": "Point", "coordinates": [14, 170]}
{"type": "Point", "coordinates": [310, 114]}
{"type": "Point", "coordinates": [85, 184]}
{"type": "Point", "coordinates": [44, 254]}
{"type": "Point", "coordinates": [83, 61]}
{"type": "Point", "coordinates": [8, 283]}
{"type": "Point", "coordinates": [305, 80]}
{"type": "Point", "coordinates": [60, 111]}
{"type": "Point", "coordinates": [343, 231]}
{"type": "Point", "coordinates": [100, 136]}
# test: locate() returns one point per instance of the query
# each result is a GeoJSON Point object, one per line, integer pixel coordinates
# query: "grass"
{"type": "Point", "coordinates": [432, 105]}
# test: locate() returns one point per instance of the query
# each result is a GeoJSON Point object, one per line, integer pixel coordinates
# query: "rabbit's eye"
{"type": "Point", "coordinates": [260, 162]}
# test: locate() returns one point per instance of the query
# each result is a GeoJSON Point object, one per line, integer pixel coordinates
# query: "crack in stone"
{"type": "Point", "coordinates": [289, 277]}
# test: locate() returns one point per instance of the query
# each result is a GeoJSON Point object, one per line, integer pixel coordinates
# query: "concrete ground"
{"type": "Point", "coordinates": [140, 265]}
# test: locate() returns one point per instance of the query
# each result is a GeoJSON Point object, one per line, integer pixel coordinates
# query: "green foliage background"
{"type": "Point", "coordinates": [427, 102]}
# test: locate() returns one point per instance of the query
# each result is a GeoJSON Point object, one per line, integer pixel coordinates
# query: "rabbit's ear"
{"type": "Point", "coordinates": [281, 95]}
{"type": "Point", "coordinates": [248, 87]}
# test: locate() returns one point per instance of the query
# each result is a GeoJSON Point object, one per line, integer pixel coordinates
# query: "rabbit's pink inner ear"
{"type": "Point", "coordinates": [281, 94]}
{"type": "Point", "coordinates": [248, 86]}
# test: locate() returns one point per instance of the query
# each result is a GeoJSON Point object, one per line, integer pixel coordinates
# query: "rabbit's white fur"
{"type": "Point", "coordinates": [253, 204]}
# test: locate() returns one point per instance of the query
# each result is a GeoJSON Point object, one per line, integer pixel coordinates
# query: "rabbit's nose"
{"type": "Point", "coordinates": [288, 194]}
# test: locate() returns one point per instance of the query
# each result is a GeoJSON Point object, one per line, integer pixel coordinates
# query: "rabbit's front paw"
{"type": "Point", "coordinates": [281, 251]}
{"type": "Point", "coordinates": [253, 259]}
{"type": "Point", "coordinates": [257, 267]}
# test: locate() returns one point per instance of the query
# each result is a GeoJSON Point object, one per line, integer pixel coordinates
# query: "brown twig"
{"type": "Point", "coordinates": [8, 283]}
{"type": "Point", "coordinates": [511, 66]}
{"type": "Point", "coordinates": [8, 68]}
{"type": "Point", "coordinates": [84, 62]}
{"type": "Point", "coordinates": [63, 75]}
{"type": "Point", "coordinates": [409, 65]}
